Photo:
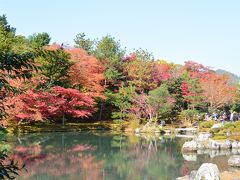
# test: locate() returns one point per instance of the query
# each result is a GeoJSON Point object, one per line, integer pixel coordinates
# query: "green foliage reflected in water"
{"type": "Point", "coordinates": [101, 155]}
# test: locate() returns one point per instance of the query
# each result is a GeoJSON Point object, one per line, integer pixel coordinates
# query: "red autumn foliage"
{"type": "Point", "coordinates": [38, 106]}
{"type": "Point", "coordinates": [53, 47]}
{"type": "Point", "coordinates": [185, 91]}
{"type": "Point", "coordinates": [87, 73]}
{"type": "Point", "coordinates": [129, 58]}
{"type": "Point", "coordinates": [195, 70]}
{"type": "Point", "coordinates": [56, 164]}
{"type": "Point", "coordinates": [161, 72]}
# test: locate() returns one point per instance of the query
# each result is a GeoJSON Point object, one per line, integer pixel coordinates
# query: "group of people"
{"type": "Point", "coordinates": [222, 117]}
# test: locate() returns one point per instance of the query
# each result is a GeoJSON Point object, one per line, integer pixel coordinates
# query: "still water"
{"type": "Point", "coordinates": [105, 156]}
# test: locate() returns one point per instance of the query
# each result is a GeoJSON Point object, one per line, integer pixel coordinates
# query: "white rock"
{"type": "Point", "coordinates": [234, 161]}
{"type": "Point", "coordinates": [207, 171]}
{"type": "Point", "coordinates": [189, 146]}
{"type": "Point", "coordinates": [204, 136]}
{"type": "Point", "coordinates": [217, 126]}
{"type": "Point", "coordinates": [224, 144]}
{"type": "Point", "coordinates": [235, 145]}
{"type": "Point", "coordinates": [213, 145]}
{"type": "Point", "coordinates": [190, 157]}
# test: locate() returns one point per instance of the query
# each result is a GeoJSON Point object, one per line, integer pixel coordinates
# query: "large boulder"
{"type": "Point", "coordinates": [189, 146]}
{"type": "Point", "coordinates": [207, 171]}
{"type": "Point", "coordinates": [234, 161]}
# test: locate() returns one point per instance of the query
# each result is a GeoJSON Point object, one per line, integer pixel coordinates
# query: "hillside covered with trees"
{"type": "Point", "coordinates": [97, 80]}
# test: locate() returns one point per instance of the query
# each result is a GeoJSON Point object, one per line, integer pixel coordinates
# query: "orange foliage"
{"type": "Point", "coordinates": [86, 72]}
{"type": "Point", "coordinates": [217, 90]}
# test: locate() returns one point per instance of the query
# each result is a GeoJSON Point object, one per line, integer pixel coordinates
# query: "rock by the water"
{"type": "Point", "coordinates": [190, 157]}
{"type": "Point", "coordinates": [217, 126]}
{"type": "Point", "coordinates": [234, 161]}
{"type": "Point", "coordinates": [189, 146]}
{"type": "Point", "coordinates": [235, 145]}
{"type": "Point", "coordinates": [213, 145]}
{"type": "Point", "coordinates": [203, 136]}
{"type": "Point", "coordinates": [207, 171]}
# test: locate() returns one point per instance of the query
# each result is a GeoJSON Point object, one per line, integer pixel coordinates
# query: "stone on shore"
{"type": "Point", "coordinates": [189, 146]}
{"type": "Point", "coordinates": [203, 136]}
{"type": "Point", "coordinates": [234, 161]}
{"type": "Point", "coordinates": [207, 171]}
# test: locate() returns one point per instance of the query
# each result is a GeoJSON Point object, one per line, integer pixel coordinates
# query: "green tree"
{"type": "Point", "coordinates": [121, 101]}
{"type": "Point", "coordinates": [55, 65]}
{"type": "Point", "coordinates": [84, 43]}
{"type": "Point", "coordinates": [161, 101]}
{"type": "Point", "coordinates": [39, 40]}
{"type": "Point", "coordinates": [194, 96]}
{"type": "Point", "coordinates": [13, 63]}
{"type": "Point", "coordinates": [110, 53]}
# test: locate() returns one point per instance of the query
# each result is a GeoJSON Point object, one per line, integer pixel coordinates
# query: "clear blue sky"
{"type": "Point", "coordinates": [206, 31]}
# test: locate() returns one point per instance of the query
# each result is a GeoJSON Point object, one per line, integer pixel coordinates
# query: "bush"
{"type": "Point", "coordinates": [237, 124]}
{"type": "Point", "coordinates": [229, 125]}
{"type": "Point", "coordinates": [219, 137]}
{"type": "Point", "coordinates": [188, 115]}
{"type": "Point", "coordinates": [206, 124]}
{"type": "Point", "coordinates": [133, 124]}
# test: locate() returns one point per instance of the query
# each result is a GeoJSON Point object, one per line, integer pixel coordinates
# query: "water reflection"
{"type": "Point", "coordinates": [104, 156]}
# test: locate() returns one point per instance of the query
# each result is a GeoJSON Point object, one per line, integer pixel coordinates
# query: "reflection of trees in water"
{"type": "Point", "coordinates": [71, 162]}
{"type": "Point", "coordinates": [100, 156]}
{"type": "Point", "coordinates": [8, 167]}
{"type": "Point", "coordinates": [148, 158]}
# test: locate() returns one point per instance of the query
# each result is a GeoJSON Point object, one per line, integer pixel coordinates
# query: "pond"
{"type": "Point", "coordinates": [103, 156]}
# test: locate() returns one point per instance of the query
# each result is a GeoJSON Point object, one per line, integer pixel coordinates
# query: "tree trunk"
{"type": "Point", "coordinates": [63, 120]}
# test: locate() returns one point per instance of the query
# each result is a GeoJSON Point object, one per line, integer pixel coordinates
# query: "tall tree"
{"type": "Point", "coordinates": [13, 64]}
{"type": "Point", "coordinates": [55, 65]}
{"type": "Point", "coordinates": [218, 91]}
{"type": "Point", "coordinates": [39, 40]}
{"type": "Point", "coordinates": [86, 73]}
{"type": "Point", "coordinates": [84, 43]}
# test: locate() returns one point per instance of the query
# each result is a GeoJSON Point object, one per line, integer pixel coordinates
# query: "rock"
{"type": "Point", "coordinates": [234, 161]}
{"type": "Point", "coordinates": [190, 157]}
{"type": "Point", "coordinates": [137, 130]}
{"type": "Point", "coordinates": [224, 144]}
{"type": "Point", "coordinates": [213, 145]}
{"type": "Point", "coordinates": [217, 126]}
{"type": "Point", "coordinates": [192, 175]}
{"type": "Point", "coordinates": [189, 146]}
{"type": "Point", "coordinates": [235, 145]}
{"type": "Point", "coordinates": [200, 146]}
{"type": "Point", "coordinates": [203, 136]}
{"type": "Point", "coordinates": [207, 171]}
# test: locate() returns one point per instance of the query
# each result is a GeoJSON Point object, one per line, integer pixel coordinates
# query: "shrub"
{"type": "Point", "coordinates": [206, 124]}
{"type": "Point", "coordinates": [188, 115]}
{"type": "Point", "coordinates": [219, 137]}
{"type": "Point", "coordinates": [237, 124]}
{"type": "Point", "coordinates": [229, 125]}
